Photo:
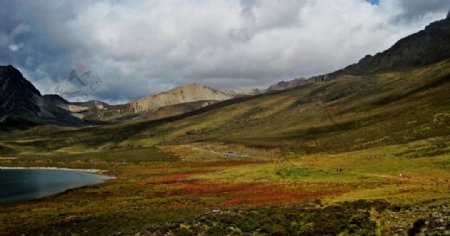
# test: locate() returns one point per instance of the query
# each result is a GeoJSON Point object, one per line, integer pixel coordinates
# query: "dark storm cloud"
{"type": "Point", "coordinates": [135, 48]}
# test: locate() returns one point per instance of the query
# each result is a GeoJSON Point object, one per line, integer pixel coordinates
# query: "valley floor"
{"type": "Point", "coordinates": [217, 188]}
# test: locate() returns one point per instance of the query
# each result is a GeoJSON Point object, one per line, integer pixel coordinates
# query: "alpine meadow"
{"type": "Point", "coordinates": [160, 118]}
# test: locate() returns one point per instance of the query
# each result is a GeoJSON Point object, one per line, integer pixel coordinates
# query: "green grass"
{"type": "Point", "coordinates": [134, 155]}
{"type": "Point", "coordinates": [347, 114]}
{"type": "Point", "coordinates": [148, 193]}
{"type": "Point", "coordinates": [373, 127]}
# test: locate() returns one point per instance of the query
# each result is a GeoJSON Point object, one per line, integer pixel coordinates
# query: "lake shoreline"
{"type": "Point", "coordinates": [92, 171]}
{"type": "Point", "coordinates": [41, 182]}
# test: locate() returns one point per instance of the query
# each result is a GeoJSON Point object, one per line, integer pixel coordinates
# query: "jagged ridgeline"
{"type": "Point", "coordinates": [22, 105]}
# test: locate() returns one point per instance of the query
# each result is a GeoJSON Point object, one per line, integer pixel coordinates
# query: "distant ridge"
{"type": "Point", "coordinates": [21, 104]}
{"type": "Point", "coordinates": [287, 84]}
{"type": "Point", "coordinates": [185, 94]}
{"type": "Point", "coordinates": [425, 47]}
{"type": "Point", "coordinates": [428, 46]}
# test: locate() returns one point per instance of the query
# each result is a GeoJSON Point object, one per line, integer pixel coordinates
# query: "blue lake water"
{"type": "Point", "coordinates": [17, 185]}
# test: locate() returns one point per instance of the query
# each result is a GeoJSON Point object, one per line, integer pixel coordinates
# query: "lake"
{"type": "Point", "coordinates": [17, 185]}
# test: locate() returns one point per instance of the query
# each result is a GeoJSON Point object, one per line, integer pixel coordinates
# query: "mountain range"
{"type": "Point", "coordinates": [21, 104]}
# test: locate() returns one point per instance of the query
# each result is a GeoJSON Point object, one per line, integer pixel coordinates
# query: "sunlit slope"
{"type": "Point", "coordinates": [394, 97]}
{"type": "Point", "coordinates": [349, 113]}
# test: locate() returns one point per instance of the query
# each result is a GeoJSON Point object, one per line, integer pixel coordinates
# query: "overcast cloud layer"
{"type": "Point", "coordinates": [136, 48]}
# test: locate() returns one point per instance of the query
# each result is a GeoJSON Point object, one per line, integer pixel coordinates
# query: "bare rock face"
{"type": "Point", "coordinates": [176, 101]}
{"type": "Point", "coordinates": [186, 94]}
{"type": "Point", "coordinates": [283, 85]}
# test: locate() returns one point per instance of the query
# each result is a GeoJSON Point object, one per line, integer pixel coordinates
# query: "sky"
{"type": "Point", "coordinates": [117, 51]}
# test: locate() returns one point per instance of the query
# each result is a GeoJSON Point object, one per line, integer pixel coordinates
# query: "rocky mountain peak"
{"type": "Point", "coordinates": [12, 79]}
{"type": "Point", "coordinates": [17, 95]}
{"type": "Point", "coordinates": [21, 104]}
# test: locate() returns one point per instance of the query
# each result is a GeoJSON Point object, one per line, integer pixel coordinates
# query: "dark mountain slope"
{"type": "Point", "coordinates": [22, 105]}
{"type": "Point", "coordinates": [17, 95]}
{"type": "Point", "coordinates": [425, 47]}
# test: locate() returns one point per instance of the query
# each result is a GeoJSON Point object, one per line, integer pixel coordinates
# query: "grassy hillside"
{"type": "Point", "coordinates": [349, 113]}
{"type": "Point", "coordinates": [267, 164]}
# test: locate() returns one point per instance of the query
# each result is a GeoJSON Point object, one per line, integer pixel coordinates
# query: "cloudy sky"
{"type": "Point", "coordinates": [123, 50]}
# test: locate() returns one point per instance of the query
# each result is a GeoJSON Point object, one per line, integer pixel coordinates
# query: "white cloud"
{"type": "Point", "coordinates": [140, 47]}
{"type": "Point", "coordinates": [13, 47]}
